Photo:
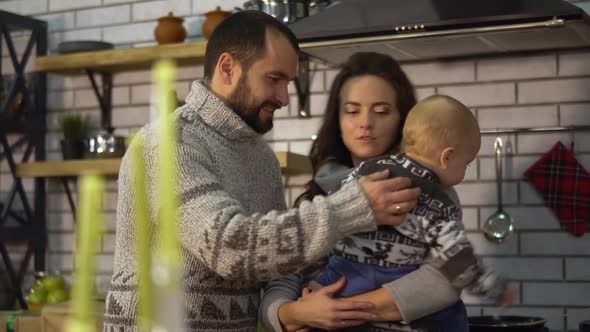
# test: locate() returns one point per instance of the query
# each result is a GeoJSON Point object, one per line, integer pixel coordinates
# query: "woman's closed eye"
{"type": "Point", "coordinates": [382, 110]}
{"type": "Point", "coordinates": [351, 110]}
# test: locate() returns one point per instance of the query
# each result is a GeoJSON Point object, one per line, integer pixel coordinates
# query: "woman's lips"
{"type": "Point", "coordinates": [366, 139]}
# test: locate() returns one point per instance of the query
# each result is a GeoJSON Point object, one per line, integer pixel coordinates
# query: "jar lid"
{"type": "Point", "coordinates": [170, 17]}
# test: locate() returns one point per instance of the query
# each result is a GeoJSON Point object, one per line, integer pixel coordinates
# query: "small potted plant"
{"type": "Point", "coordinates": [75, 131]}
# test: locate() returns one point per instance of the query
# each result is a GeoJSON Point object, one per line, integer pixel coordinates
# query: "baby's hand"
{"type": "Point", "coordinates": [507, 297]}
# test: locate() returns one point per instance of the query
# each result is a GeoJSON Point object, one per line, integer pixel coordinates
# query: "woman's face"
{"type": "Point", "coordinates": [369, 118]}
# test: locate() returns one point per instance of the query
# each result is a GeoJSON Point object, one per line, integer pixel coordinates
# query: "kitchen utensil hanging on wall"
{"type": "Point", "coordinates": [499, 225]}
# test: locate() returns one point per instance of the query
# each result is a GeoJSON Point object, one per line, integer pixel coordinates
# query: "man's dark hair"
{"type": "Point", "coordinates": [243, 35]}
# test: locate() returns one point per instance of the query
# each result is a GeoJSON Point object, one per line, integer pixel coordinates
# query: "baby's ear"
{"type": "Point", "coordinates": [446, 156]}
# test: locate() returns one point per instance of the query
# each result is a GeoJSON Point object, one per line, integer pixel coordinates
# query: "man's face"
{"type": "Point", "coordinates": [262, 89]}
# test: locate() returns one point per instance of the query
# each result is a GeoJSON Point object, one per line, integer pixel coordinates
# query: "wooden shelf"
{"type": "Point", "coordinates": [68, 168]}
{"type": "Point", "coordinates": [291, 163]}
{"type": "Point", "coordinates": [120, 60]}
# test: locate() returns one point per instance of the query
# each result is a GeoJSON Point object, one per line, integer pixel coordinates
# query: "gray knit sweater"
{"type": "Point", "coordinates": [234, 227]}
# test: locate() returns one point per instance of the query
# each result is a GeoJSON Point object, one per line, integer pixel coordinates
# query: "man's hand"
{"type": "Point", "coordinates": [390, 199]}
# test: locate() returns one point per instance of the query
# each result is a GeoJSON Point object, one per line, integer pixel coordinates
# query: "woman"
{"type": "Point", "coordinates": [367, 106]}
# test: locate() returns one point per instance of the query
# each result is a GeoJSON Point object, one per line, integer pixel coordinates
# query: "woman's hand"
{"type": "Point", "coordinates": [385, 306]}
{"type": "Point", "coordinates": [320, 310]}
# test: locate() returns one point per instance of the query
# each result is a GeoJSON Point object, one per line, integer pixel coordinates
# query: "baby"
{"type": "Point", "coordinates": [441, 137]}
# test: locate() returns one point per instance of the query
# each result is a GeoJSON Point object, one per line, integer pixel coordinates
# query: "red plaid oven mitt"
{"type": "Point", "coordinates": [565, 187]}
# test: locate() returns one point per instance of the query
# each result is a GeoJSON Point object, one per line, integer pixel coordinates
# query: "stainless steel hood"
{"type": "Point", "coordinates": [430, 29]}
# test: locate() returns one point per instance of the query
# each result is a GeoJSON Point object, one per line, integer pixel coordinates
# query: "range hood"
{"type": "Point", "coordinates": [412, 30]}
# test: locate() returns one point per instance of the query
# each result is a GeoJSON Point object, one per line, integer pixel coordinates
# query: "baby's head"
{"type": "Point", "coordinates": [442, 133]}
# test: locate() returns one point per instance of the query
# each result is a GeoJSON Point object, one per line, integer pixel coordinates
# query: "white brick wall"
{"type": "Point", "coordinates": [103, 16]}
{"type": "Point", "coordinates": [490, 94]}
{"type": "Point", "coordinates": [441, 72]}
{"type": "Point", "coordinates": [25, 7]}
{"type": "Point", "coordinates": [130, 33]}
{"type": "Point", "coordinates": [528, 268]}
{"type": "Point", "coordinates": [554, 91]}
{"type": "Point", "coordinates": [550, 266]}
{"type": "Point", "coordinates": [554, 244]}
{"type": "Point", "coordinates": [511, 68]}
{"type": "Point", "coordinates": [515, 117]}
{"type": "Point", "coordinates": [566, 294]}
{"type": "Point", "coordinates": [154, 9]}
{"type": "Point", "coordinates": [58, 5]}
{"type": "Point", "coordinates": [577, 268]}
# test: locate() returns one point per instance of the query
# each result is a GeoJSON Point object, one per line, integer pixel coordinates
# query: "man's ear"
{"type": "Point", "coordinates": [226, 68]}
{"type": "Point", "coordinates": [445, 157]}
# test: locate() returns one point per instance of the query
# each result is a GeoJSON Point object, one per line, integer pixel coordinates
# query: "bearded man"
{"type": "Point", "coordinates": [235, 230]}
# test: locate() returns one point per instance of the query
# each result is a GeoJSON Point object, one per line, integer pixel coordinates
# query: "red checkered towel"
{"type": "Point", "coordinates": [565, 187]}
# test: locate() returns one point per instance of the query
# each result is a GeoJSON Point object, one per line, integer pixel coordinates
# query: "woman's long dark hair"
{"type": "Point", "coordinates": [328, 146]}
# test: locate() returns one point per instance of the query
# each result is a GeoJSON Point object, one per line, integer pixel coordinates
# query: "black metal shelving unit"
{"type": "Point", "coordinates": [22, 133]}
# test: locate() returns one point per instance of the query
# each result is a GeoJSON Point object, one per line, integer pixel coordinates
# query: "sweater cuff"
{"type": "Point", "coordinates": [270, 319]}
{"type": "Point", "coordinates": [411, 291]}
{"type": "Point", "coordinates": [351, 211]}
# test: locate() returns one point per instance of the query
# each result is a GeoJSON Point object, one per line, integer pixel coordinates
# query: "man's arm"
{"type": "Point", "coordinates": [236, 244]}
{"type": "Point", "coordinates": [215, 228]}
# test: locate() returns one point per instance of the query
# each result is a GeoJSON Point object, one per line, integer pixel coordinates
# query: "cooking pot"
{"type": "Point", "coordinates": [287, 11]}
{"type": "Point", "coordinates": [106, 146]}
{"type": "Point", "coordinates": [506, 324]}
{"type": "Point", "coordinates": [275, 8]}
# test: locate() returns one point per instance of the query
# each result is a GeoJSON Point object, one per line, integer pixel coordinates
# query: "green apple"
{"type": "Point", "coordinates": [38, 286]}
{"type": "Point", "coordinates": [57, 295]}
{"type": "Point", "coordinates": [37, 297]}
{"type": "Point", "coordinates": [53, 282]}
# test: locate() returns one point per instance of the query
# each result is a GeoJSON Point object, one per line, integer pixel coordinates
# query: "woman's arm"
{"type": "Point", "coordinates": [413, 296]}
{"type": "Point", "coordinates": [416, 295]}
{"type": "Point", "coordinates": [403, 299]}
{"type": "Point", "coordinates": [277, 293]}
{"type": "Point", "coordinates": [279, 311]}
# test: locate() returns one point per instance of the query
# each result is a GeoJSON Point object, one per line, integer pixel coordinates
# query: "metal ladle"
{"type": "Point", "coordinates": [499, 225]}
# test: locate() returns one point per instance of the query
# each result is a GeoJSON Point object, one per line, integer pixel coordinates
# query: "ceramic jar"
{"type": "Point", "coordinates": [212, 20]}
{"type": "Point", "coordinates": [170, 30]}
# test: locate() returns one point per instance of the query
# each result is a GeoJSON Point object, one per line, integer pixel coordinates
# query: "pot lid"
{"type": "Point", "coordinates": [505, 321]}
{"type": "Point", "coordinates": [170, 17]}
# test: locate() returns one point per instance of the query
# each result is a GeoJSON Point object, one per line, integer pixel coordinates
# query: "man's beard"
{"type": "Point", "coordinates": [243, 103]}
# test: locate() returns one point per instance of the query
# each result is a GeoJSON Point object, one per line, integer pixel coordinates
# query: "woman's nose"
{"type": "Point", "coordinates": [366, 120]}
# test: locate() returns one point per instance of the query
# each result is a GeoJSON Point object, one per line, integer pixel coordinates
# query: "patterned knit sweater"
{"type": "Point", "coordinates": [234, 228]}
{"type": "Point", "coordinates": [434, 225]}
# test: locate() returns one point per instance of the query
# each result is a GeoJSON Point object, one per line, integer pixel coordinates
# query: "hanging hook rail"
{"type": "Point", "coordinates": [533, 130]}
